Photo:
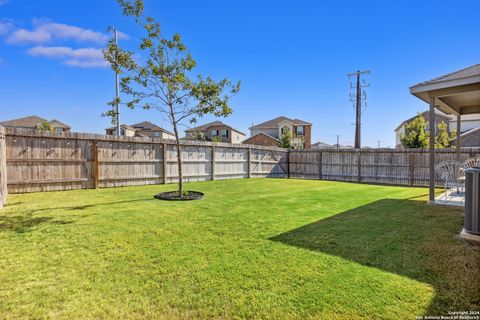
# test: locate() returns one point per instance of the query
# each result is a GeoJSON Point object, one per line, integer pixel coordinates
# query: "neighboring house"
{"type": "Point", "coordinates": [267, 131]}
{"type": "Point", "coordinates": [32, 122]}
{"type": "Point", "coordinates": [142, 129]}
{"type": "Point", "coordinates": [213, 131]}
{"type": "Point", "coordinates": [148, 129]}
{"type": "Point", "coordinates": [439, 118]}
{"type": "Point", "coordinates": [470, 136]}
{"type": "Point", "coordinates": [125, 130]}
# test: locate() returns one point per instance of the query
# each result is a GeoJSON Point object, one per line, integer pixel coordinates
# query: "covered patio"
{"type": "Point", "coordinates": [456, 93]}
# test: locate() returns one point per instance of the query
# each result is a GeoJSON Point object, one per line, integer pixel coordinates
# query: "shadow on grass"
{"type": "Point", "coordinates": [76, 208]}
{"type": "Point", "coordinates": [22, 224]}
{"type": "Point", "coordinates": [23, 221]}
{"type": "Point", "coordinates": [406, 237]}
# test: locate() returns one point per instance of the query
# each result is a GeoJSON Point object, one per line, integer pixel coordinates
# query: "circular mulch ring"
{"type": "Point", "coordinates": [174, 196]}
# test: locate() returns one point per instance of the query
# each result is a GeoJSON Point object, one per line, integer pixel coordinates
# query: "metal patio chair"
{"type": "Point", "coordinates": [452, 176]}
{"type": "Point", "coordinates": [471, 163]}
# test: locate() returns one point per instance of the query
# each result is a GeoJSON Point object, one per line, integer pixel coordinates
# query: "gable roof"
{"type": "Point", "coordinates": [273, 123]}
{"type": "Point", "coordinates": [320, 145]}
{"type": "Point", "coordinates": [59, 124]}
{"type": "Point", "coordinates": [27, 122]}
{"type": "Point", "coordinates": [217, 123]}
{"type": "Point", "coordinates": [258, 134]}
{"type": "Point", "coordinates": [32, 122]}
{"type": "Point", "coordinates": [123, 126]}
{"type": "Point", "coordinates": [466, 133]}
{"type": "Point", "coordinates": [467, 72]}
{"type": "Point", "coordinates": [147, 125]}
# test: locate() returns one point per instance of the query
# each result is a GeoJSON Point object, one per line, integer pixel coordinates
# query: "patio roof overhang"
{"type": "Point", "coordinates": [456, 93]}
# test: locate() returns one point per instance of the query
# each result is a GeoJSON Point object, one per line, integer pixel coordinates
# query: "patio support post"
{"type": "Point", "coordinates": [459, 143]}
{"type": "Point", "coordinates": [432, 150]}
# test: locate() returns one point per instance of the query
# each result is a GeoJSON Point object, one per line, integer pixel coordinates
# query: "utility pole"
{"type": "Point", "coordinates": [338, 140]}
{"type": "Point", "coordinates": [358, 97]}
{"type": "Point", "coordinates": [117, 111]}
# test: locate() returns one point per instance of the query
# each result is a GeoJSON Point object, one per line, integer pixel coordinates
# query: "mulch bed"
{"type": "Point", "coordinates": [174, 196]}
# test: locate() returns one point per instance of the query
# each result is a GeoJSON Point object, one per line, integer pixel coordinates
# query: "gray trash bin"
{"type": "Point", "coordinates": [472, 201]}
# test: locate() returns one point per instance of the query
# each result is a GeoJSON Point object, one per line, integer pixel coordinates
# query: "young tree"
{"type": "Point", "coordinates": [285, 139]}
{"type": "Point", "coordinates": [416, 134]}
{"type": "Point", "coordinates": [164, 81]}
{"type": "Point", "coordinates": [443, 139]}
{"type": "Point", "coordinates": [44, 126]}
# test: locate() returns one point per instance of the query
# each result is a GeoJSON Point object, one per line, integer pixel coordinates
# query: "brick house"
{"type": "Point", "coordinates": [215, 130]}
{"type": "Point", "coordinates": [33, 122]}
{"type": "Point", "coordinates": [269, 132]}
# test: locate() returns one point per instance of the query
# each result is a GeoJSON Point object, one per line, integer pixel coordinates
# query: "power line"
{"type": "Point", "coordinates": [358, 97]}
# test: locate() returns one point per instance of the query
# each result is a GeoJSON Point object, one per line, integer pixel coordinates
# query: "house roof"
{"type": "Point", "coordinates": [207, 126]}
{"type": "Point", "coordinates": [466, 133]}
{"type": "Point", "coordinates": [437, 113]}
{"type": "Point", "coordinates": [258, 134]}
{"type": "Point", "coordinates": [147, 125]}
{"type": "Point", "coordinates": [320, 145]}
{"type": "Point", "coordinates": [26, 122]}
{"type": "Point", "coordinates": [59, 124]}
{"type": "Point", "coordinates": [467, 72]}
{"type": "Point", "coordinates": [123, 126]}
{"type": "Point", "coordinates": [273, 123]}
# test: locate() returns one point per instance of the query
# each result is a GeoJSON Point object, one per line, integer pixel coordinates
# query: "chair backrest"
{"type": "Point", "coordinates": [471, 163]}
{"type": "Point", "coordinates": [447, 170]}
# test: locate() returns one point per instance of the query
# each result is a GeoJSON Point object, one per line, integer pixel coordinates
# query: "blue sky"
{"type": "Point", "coordinates": [291, 56]}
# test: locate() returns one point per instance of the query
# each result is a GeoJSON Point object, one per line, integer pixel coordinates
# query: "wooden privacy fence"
{"type": "Point", "coordinates": [384, 166]}
{"type": "Point", "coordinates": [3, 169]}
{"type": "Point", "coordinates": [41, 161]}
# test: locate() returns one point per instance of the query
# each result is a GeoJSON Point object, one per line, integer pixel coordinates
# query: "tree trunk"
{"type": "Point", "coordinates": [179, 161]}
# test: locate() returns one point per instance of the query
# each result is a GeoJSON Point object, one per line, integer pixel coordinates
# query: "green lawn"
{"type": "Point", "coordinates": [258, 248]}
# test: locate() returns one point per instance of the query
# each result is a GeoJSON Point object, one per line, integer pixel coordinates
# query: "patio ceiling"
{"type": "Point", "coordinates": [455, 93]}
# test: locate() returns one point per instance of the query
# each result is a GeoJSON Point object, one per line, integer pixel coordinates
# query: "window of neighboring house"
{"type": "Point", "coordinates": [215, 133]}
{"type": "Point", "coordinates": [300, 131]}
{"type": "Point", "coordinates": [122, 132]}
{"type": "Point", "coordinates": [58, 130]}
{"type": "Point", "coordinates": [224, 133]}
{"type": "Point", "coordinates": [156, 134]}
{"type": "Point", "coordinates": [285, 129]}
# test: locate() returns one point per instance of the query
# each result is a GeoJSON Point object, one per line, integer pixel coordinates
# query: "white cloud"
{"type": "Point", "coordinates": [45, 31]}
{"type": "Point", "coordinates": [5, 27]}
{"type": "Point", "coordinates": [83, 57]}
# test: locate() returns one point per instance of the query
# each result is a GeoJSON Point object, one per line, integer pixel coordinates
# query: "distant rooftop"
{"type": "Point", "coordinates": [31, 122]}
{"type": "Point", "coordinates": [206, 126]}
{"type": "Point", "coordinates": [274, 123]}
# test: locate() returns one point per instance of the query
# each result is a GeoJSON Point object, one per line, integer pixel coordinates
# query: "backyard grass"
{"type": "Point", "coordinates": [257, 248]}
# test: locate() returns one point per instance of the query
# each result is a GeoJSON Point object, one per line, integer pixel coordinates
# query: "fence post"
{"type": "Point", "coordinates": [359, 166]}
{"type": "Point", "coordinates": [288, 163]}
{"type": "Point", "coordinates": [249, 162]}
{"type": "Point", "coordinates": [95, 164]}
{"type": "Point", "coordinates": [412, 168]}
{"type": "Point", "coordinates": [320, 165]}
{"type": "Point", "coordinates": [213, 162]}
{"type": "Point", "coordinates": [165, 163]}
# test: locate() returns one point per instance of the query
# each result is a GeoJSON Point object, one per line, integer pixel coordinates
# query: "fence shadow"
{"type": "Point", "coordinates": [406, 237]}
